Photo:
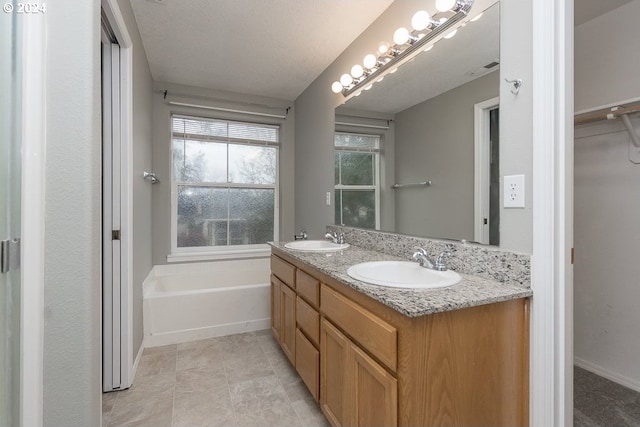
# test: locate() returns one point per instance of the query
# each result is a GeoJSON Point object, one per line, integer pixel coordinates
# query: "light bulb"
{"type": "Point", "coordinates": [346, 80]}
{"type": "Point", "coordinates": [357, 71]}
{"type": "Point", "coordinates": [445, 5]}
{"type": "Point", "coordinates": [401, 36]}
{"type": "Point", "coordinates": [380, 79]}
{"type": "Point", "coordinates": [394, 70]}
{"type": "Point", "coordinates": [370, 61]}
{"type": "Point", "coordinates": [450, 34]}
{"type": "Point", "coordinates": [478, 16]}
{"type": "Point", "coordinates": [368, 87]}
{"type": "Point", "coordinates": [420, 20]}
{"type": "Point", "coordinates": [336, 87]}
{"type": "Point", "coordinates": [383, 48]}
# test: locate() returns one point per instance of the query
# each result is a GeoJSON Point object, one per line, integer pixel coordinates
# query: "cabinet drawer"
{"type": "Point", "coordinates": [308, 288]}
{"type": "Point", "coordinates": [369, 331]}
{"type": "Point", "coordinates": [285, 271]}
{"type": "Point", "coordinates": [308, 320]}
{"type": "Point", "coordinates": [308, 363]}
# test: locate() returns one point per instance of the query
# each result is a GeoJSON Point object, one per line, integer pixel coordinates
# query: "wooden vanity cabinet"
{"type": "Point", "coordinates": [283, 306]}
{"type": "Point", "coordinates": [372, 365]}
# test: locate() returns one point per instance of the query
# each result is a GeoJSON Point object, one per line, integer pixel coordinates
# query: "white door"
{"type": "Point", "coordinates": [111, 271]}
{"type": "Point", "coordinates": [10, 199]}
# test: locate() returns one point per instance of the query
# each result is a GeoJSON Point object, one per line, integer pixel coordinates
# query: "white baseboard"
{"type": "Point", "coordinates": [136, 362]}
{"type": "Point", "coordinates": [631, 383]}
{"type": "Point", "coordinates": [175, 337]}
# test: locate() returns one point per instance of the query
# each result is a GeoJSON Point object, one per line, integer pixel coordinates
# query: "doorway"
{"type": "Point", "coordinates": [487, 172]}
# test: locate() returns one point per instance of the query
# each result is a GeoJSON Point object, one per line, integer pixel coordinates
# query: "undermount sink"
{"type": "Point", "coordinates": [402, 274]}
{"type": "Point", "coordinates": [315, 246]}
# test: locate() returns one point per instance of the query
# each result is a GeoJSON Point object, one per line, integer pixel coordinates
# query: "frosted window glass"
{"type": "Point", "coordinates": [252, 165]}
{"type": "Point", "coordinates": [358, 208]}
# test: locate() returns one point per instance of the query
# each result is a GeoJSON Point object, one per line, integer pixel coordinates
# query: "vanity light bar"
{"type": "Point", "coordinates": [389, 63]}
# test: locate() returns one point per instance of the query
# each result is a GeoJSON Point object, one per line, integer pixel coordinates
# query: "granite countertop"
{"type": "Point", "coordinates": [470, 291]}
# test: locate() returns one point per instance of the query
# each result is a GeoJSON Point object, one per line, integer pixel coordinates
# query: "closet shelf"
{"type": "Point", "coordinates": [622, 112]}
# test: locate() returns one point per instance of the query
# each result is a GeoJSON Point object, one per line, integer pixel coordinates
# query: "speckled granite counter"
{"type": "Point", "coordinates": [470, 291]}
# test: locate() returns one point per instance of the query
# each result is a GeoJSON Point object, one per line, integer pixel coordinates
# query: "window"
{"type": "Point", "coordinates": [225, 184]}
{"type": "Point", "coordinates": [357, 194]}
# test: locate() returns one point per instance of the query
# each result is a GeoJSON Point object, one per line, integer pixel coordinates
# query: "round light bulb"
{"type": "Point", "coordinates": [346, 80]}
{"type": "Point", "coordinates": [401, 36]}
{"type": "Point", "coordinates": [478, 16]}
{"type": "Point", "coordinates": [395, 69]}
{"type": "Point", "coordinates": [370, 61]}
{"type": "Point", "coordinates": [450, 34]}
{"type": "Point", "coordinates": [336, 87]}
{"type": "Point", "coordinates": [420, 20]}
{"type": "Point", "coordinates": [357, 71]}
{"type": "Point", "coordinates": [383, 48]}
{"type": "Point", "coordinates": [445, 5]}
{"type": "Point", "coordinates": [368, 87]}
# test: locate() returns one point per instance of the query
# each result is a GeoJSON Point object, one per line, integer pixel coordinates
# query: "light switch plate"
{"type": "Point", "coordinates": [514, 191]}
{"type": "Point", "coordinates": [328, 199]}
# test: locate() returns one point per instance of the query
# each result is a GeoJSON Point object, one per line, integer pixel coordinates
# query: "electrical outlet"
{"type": "Point", "coordinates": [514, 191]}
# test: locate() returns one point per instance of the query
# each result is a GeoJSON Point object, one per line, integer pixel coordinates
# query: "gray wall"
{"type": "Point", "coordinates": [161, 202]}
{"type": "Point", "coordinates": [314, 119]}
{"type": "Point", "coordinates": [435, 140]}
{"type": "Point", "coordinates": [607, 231]}
{"type": "Point", "coordinates": [142, 114]}
{"type": "Point", "coordinates": [72, 335]}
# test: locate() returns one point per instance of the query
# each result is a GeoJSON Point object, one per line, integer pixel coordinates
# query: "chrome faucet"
{"type": "Point", "coordinates": [422, 257]}
{"type": "Point", "coordinates": [335, 237]}
{"type": "Point", "coordinates": [301, 236]}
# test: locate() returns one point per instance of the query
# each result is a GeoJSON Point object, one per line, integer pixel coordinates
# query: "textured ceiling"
{"type": "Point", "coordinates": [260, 47]}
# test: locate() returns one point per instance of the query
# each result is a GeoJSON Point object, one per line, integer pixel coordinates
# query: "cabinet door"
{"type": "Point", "coordinates": [276, 312]}
{"type": "Point", "coordinates": [334, 353]}
{"type": "Point", "coordinates": [288, 322]}
{"type": "Point", "coordinates": [374, 399]}
{"type": "Point", "coordinates": [307, 363]}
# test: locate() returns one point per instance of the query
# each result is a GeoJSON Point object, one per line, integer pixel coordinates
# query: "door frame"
{"type": "Point", "coordinates": [551, 355]}
{"type": "Point", "coordinates": [116, 20]}
{"type": "Point", "coordinates": [34, 101]}
{"type": "Point", "coordinates": [482, 170]}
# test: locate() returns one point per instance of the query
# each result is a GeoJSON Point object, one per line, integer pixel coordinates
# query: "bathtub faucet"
{"type": "Point", "coordinates": [335, 237]}
{"type": "Point", "coordinates": [301, 236]}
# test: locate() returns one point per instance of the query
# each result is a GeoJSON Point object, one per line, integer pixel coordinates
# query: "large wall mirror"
{"type": "Point", "coordinates": [418, 153]}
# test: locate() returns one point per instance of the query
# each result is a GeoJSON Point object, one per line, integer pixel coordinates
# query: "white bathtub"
{"type": "Point", "coordinates": [187, 302]}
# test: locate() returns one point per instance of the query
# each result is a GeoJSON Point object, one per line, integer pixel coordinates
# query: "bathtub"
{"type": "Point", "coordinates": [188, 302]}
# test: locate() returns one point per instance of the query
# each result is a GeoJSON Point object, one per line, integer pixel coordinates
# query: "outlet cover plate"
{"type": "Point", "coordinates": [514, 191]}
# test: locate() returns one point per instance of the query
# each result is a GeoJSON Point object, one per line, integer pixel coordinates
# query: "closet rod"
{"type": "Point", "coordinates": [606, 113]}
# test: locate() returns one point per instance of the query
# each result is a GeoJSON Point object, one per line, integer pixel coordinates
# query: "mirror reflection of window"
{"type": "Point", "coordinates": [357, 190]}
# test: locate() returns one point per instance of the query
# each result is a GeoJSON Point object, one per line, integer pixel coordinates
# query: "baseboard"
{"type": "Point", "coordinates": [631, 383]}
{"type": "Point", "coordinates": [136, 362]}
{"type": "Point", "coordinates": [175, 337]}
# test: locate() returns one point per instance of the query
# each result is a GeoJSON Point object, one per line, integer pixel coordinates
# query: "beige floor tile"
{"type": "Point", "coordinates": [309, 413]}
{"type": "Point", "coordinates": [140, 409]}
{"type": "Point", "coordinates": [268, 344]}
{"type": "Point", "coordinates": [200, 380]}
{"type": "Point", "coordinates": [204, 356]}
{"type": "Point", "coordinates": [156, 364]}
{"type": "Point", "coordinates": [203, 409]}
{"type": "Point", "coordinates": [245, 369]}
{"type": "Point", "coordinates": [285, 372]}
{"type": "Point", "coordinates": [276, 416]}
{"type": "Point", "coordinates": [162, 349]}
{"type": "Point", "coordinates": [250, 397]}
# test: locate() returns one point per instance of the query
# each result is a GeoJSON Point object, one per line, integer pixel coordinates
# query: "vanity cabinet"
{"type": "Point", "coordinates": [283, 306]}
{"type": "Point", "coordinates": [368, 364]}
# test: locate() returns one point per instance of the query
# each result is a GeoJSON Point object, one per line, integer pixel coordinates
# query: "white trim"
{"type": "Point", "coordinates": [551, 309]}
{"type": "Point", "coordinates": [136, 362]}
{"type": "Point", "coordinates": [34, 126]}
{"type": "Point", "coordinates": [261, 252]}
{"type": "Point", "coordinates": [631, 383]}
{"type": "Point", "coordinates": [116, 19]}
{"type": "Point", "coordinates": [482, 178]}
{"type": "Point", "coordinates": [197, 334]}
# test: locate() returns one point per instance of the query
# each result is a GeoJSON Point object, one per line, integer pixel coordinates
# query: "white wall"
{"type": "Point", "coordinates": [315, 119]}
{"type": "Point", "coordinates": [142, 131]}
{"type": "Point", "coordinates": [607, 206]}
{"type": "Point", "coordinates": [72, 336]}
{"type": "Point", "coordinates": [161, 202]}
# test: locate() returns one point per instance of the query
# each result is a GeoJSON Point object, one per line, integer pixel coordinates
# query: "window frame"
{"type": "Point", "coordinates": [377, 152]}
{"type": "Point", "coordinates": [202, 253]}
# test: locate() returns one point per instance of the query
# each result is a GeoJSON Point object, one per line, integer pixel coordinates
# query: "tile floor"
{"type": "Point", "coordinates": [235, 381]}
{"type": "Point", "coordinates": [599, 402]}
